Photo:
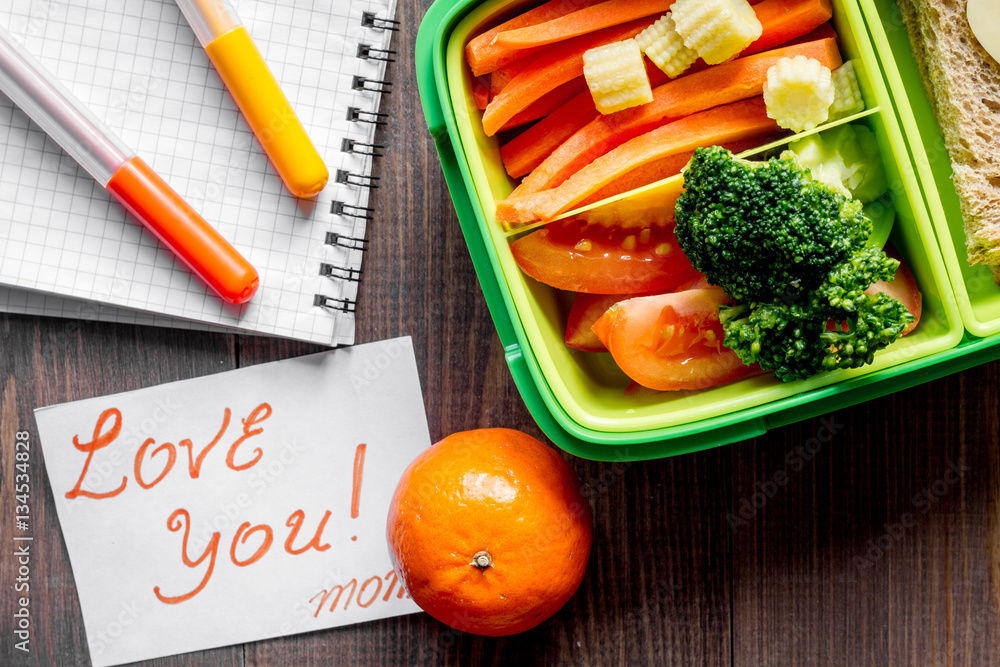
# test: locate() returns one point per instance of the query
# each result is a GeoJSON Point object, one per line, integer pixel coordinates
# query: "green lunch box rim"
{"type": "Point", "coordinates": [431, 49]}
{"type": "Point", "coordinates": [973, 286]}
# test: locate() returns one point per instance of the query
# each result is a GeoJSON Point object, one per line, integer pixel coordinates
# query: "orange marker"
{"type": "Point", "coordinates": [266, 109]}
{"type": "Point", "coordinates": [173, 221]}
{"type": "Point", "coordinates": [124, 174]}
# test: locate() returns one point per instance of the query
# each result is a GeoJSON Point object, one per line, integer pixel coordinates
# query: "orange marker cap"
{"type": "Point", "coordinates": [173, 221]}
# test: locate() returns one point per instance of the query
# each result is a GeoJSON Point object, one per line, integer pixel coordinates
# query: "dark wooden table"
{"type": "Point", "coordinates": [881, 547]}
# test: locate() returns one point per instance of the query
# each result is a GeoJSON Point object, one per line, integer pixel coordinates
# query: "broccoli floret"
{"type": "Point", "coordinates": [758, 229]}
{"type": "Point", "coordinates": [835, 326]}
{"type": "Point", "coordinates": [792, 254]}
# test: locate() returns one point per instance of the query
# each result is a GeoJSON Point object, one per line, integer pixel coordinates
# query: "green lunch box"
{"type": "Point", "coordinates": [578, 398]}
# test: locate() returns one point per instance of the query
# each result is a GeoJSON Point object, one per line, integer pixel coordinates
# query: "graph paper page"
{"type": "Point", "coordinates": [68, 249]}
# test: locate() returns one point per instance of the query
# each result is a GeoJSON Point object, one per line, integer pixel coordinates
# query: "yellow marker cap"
{"type": "Point", "coordinates": [270, 116]}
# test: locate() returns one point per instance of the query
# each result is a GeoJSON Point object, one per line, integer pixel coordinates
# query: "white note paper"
{"type": "Point", "coordinates": [279, 474]}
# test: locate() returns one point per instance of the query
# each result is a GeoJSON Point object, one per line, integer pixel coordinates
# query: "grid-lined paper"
{"type": "Point", "coordinates": [68, 249]}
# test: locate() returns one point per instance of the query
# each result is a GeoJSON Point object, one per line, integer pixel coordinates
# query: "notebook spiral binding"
{"type": "Point", "coordinates": [352, 146]}
{"type": "Point", "coordinates": [334, 271]}
{"type": "Point", "coordinates": [349, 242]}
{"type": "Point", "coordinates": [361, 180]}
{"type": "Point", "coordinates": [372, 20]}
{"type": "Point", "coordinates": [371, 85]}
{"type": "Point", "coordinates": [351, 211]}
{"type": "Point", "coordinates": [344, 305]}
{"type": "Point", "coordinates": [366, 52]}
{"type": "Point", "coordinates": [346, 177]}
{"type": "Point", "coordinates": [361, 116]}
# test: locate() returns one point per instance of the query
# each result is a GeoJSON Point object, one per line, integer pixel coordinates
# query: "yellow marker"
{"type": "Point", "coordinates": [266, 109]}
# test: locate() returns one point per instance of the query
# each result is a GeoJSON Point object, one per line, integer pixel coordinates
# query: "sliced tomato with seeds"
{"type": "Point", "coordinates": [672, 341]}
{"type": "Point", "coordinates": [579, 257]}
{"type": "Point", "coordinates": [588, 308]}
{"type": "Point", "coordinates": [585, 311]}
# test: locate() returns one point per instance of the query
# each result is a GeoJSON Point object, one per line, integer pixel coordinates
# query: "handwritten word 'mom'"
{"type": "Point", "coordinates": [366, 595]}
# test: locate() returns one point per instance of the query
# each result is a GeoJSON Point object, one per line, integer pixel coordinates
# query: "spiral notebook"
{"type": "Point", "coordinates": [67, 249]}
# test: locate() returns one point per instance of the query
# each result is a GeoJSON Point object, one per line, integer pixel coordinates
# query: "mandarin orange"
{"type": "Point", "coordinates": [488, 531]}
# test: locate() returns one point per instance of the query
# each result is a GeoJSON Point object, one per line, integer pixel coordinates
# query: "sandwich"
{"type": "Point", "coordinates": [962, 81]}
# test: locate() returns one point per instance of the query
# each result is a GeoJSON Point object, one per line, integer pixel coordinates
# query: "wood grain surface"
{"type": "Point", "coordinates": [869, 536]}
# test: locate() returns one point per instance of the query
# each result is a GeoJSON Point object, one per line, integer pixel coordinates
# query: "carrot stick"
{"type": "Point", "coordinates": [501, 77]}
{"type": "Point", "coordinates": [651, 172]}
{"type": "Point", "coordinates": [481, 91]}
{"type": "Point", "coordinates": [519, 209]}
{"type": "Point", "coordinates": [589, 19]}
{"type": "Point", "coordinates": [659, 170]}
{"type": "Point", "coordinates": [728, 82]}
{"type": "Point", "coordinates": [527, 150]}
{"type": "Point", "coordinates": [515, 211]}
{"type": "Point", "coordinates": [784, 20]}
{"type": "Point", "coordinates": [733, 122]}
{"type": "Point", "coordinates": [484, 58]}
{"type": "Point", "coordinates": [554, 66]}
{"type": "Point", "coordinates": [548, 103]}
{"type": "Point", "coordinates": [823, 31]}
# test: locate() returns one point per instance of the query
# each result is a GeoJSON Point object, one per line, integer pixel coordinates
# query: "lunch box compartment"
{"type": "Point", "coordinates": [578, 398]}
{"type": "Point", "coordinates": [976, 295]}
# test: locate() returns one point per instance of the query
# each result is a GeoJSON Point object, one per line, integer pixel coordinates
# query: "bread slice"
{"type": "Point", "coordinates": [962, 82]}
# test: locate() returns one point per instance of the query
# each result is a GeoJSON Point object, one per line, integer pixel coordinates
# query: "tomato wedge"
{"type": "Point", "coordinates": [579, 257]}
{"type": "Point", "coordinates": [672, 341]}
{"type": "Point", "coordinates": [585, 311]}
